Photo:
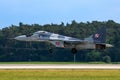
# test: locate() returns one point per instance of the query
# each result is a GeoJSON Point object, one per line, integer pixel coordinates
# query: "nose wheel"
{"type": "Point", "coordinates": [50, 50]}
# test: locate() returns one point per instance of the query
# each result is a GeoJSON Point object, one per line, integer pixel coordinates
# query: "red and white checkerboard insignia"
{"type": "Point", "coordinates": [97, 35]}
{"type": "Point", "coordinates": [57, 43]}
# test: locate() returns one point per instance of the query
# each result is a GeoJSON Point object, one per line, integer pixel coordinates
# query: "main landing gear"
{"type": "Point", "coordinates": [74, 51]}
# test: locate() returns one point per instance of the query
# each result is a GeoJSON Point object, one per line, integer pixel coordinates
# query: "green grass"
{"type": "Point", "coordinates": [57, 63]}
{"type": "Point", "coordinates": [52, 63]}
{"type": "Point", "coordinates": [59, 74]}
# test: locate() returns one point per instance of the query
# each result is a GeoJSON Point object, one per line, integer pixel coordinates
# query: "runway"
{"type": "Point", "coordinates": [59, 66]}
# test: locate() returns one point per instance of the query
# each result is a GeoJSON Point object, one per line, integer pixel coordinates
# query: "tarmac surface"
{"type": "Point", "coordinates": [59, 66]}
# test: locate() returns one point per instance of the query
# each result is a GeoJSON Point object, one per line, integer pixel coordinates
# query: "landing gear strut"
{"type": "Point", "coordinates": [50, 48]}
{"type": "Point", "coordinates": [74, 51]}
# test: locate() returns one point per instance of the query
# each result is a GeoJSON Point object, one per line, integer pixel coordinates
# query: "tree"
{"type": "Point", "coordinates": [107, 59]}
{"type": "Point", "coordinates": [93, 56]}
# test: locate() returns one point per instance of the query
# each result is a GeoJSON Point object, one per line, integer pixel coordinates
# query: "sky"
{"type": "Point", "coordinates": [57, 11]}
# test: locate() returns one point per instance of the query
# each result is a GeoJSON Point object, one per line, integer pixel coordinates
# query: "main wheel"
{"type": "Point", "coordinates": [74, 50]}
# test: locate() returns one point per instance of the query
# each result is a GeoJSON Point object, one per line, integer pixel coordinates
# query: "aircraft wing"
{"type": "Point", "coordinates": [74, 41]}
{"type": "Point", "coordinates": [62, 43]}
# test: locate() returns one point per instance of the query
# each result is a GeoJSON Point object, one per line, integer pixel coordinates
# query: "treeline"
{"type": "Point", "coordinates": [11, 50]}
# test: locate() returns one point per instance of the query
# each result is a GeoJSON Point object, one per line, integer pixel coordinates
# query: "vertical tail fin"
{"type": "Point", "coordinates": [100, 36]}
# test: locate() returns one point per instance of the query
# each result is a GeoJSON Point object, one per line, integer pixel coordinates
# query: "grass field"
{"type": "Point", "coordinates": [58, 63]}
{"type": "Point", "coordinates": [59, 74]}
{"type": "Point", "coordinates": [52, 62]}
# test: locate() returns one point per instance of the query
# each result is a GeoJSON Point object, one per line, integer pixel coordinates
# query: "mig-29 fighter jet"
{"type": "Point", "coordinates": [95, 41]}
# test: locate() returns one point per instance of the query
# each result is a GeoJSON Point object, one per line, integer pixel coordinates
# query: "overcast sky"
{"type": "Point", "coordinates": [57, 11]}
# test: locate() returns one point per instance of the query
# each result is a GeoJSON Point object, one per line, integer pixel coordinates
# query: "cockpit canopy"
{"type": "Point", "coordinates": [40, 32]}
{"type": "Point", "coordinates": [43, 33]}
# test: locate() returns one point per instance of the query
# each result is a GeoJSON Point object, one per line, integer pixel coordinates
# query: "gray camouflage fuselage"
{"type": "Point", "coordinates": [65, 41]}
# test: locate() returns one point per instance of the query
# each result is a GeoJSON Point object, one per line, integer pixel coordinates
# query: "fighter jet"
{"type": "Point", "coordinates": [95, 41]}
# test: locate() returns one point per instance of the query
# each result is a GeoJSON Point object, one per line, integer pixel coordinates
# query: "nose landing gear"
{"type": "Point", "coordinates": [50, 50]}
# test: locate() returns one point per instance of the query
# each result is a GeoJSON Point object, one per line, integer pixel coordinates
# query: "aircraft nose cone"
{"type": "Point", "coordinates": [19, 37]}
{"type": "Point", "coordinates": [16, 38]}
